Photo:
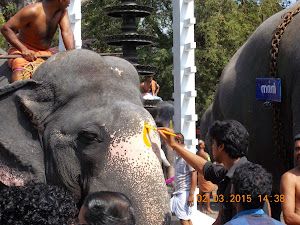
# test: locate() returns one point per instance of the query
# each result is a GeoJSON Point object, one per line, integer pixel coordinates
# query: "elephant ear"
{"type": "Point", "coordinates": [23, 105]}
{"type": "Point", "coordinates": [37, 103]}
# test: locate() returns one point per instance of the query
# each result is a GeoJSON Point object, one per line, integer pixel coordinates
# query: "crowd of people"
{"type": "Point", "coordinates": [243, 187]}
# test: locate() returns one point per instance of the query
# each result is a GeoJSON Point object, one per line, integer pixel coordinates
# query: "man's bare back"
{"type": "Point", "coordinates": [37, 24]}
{"type": "Point", "coordinates": [290, 189]}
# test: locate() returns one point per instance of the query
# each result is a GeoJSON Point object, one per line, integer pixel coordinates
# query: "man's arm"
{"type": "Point", "coordinates": [21, 19]}
{"type": "Point", "coordinates": [287, 188]}
{"type": "Point", "coordinates": [190, 200]}
{"type": "Point", "coordinates": [142, 88]}
{"type": "Point", "coordinates": [66, 31]}
{"type": "Point", "coordinates": [218, 220]}
{"type": "Point", "coordinates": [194, 160]}
{"type": "Point", "coordinates": [157, 89]}
{"type": "Point", "coordinates": [153, 87]}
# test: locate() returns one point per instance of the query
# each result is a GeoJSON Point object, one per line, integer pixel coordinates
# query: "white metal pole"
{"type": "Point", "coordinates": [184, 73]}
{"type": "Point", "coordinates": [184, 70]}
{"type": "Point", "coordinates": [74, 11]}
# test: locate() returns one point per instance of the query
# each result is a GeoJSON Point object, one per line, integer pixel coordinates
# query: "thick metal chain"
{"type": "Point", "coordinates": [280, 145]}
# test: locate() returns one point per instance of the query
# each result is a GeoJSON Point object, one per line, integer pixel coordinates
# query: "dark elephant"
{"type": "Point", "coordinates": [75, 125]}
{"type": "Point", "coordinates": [162, 114]}
{"type": "Point", "coordinates": [236, 94]}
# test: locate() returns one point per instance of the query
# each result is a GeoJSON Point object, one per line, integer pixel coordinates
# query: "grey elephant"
{"type": "Point", "coordinates": [75, 125]}
{"type": "Point", "coordinates": [236, 95]}
{"type": "Point", "coordinates": [162, 114]}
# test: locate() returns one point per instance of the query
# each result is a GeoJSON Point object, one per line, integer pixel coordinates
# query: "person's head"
{"type": "Point", "coordinates": [104, 207]}
{"type": "Point", "coordinates": [149, 78]}
{"type": "Point", "coordinates": [231, 135]}
{"type": "Point", "coordinates": [297, 148]}
{"type": "Point", "coordinates": [36, 204]}
{"type": "Point", "coordinates": [251, 179]}
{"type": "Point", "coordinates": [180, 140]}
{"type": "Point", "coordinates": [201, 145]}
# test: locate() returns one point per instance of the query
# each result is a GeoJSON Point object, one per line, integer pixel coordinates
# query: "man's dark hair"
{"type": "Point", "coordinates": [180, 139]}
{"type": "Point", "coordinates": [252, 179]}
{"type": "Point", "coordinates": [233, 135]}
{"type": "Point", "coordinates": [36, 204]}
{"type": "Point", "coordinates": [297, 137]}
{"type": "Point", "coordinates": [106, 207]}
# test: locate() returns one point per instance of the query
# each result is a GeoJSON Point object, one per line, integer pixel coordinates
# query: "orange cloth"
{"type": "Point", "coordinates": [19, 63]}
{"type": "Point", "coordinates": [204, 185]}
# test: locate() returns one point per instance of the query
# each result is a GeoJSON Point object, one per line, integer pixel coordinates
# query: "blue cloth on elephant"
{"type": "Point", "coordinates": [253, 217]}
{"type": "Point", "coordinates": [179, 206]}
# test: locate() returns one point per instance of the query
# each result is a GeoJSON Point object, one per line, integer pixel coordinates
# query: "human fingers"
{"type": "Point", "coordinates": [32, 55]}
{"type": "Point", "coordinates": [166, 129]}
{"type": "Point", "coordinates": [165, 136]}
{"type": "Point", "coordinates": [29, 55]}
{"type": "Point", "coordinates": [190, 203]}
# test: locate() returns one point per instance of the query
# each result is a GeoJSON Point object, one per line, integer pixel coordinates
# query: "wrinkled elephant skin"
{"type": "Point", "coordinates": [79, 124]}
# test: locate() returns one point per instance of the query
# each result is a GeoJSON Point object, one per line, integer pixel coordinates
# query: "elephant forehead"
{"type": "Point", "coordinates": [132, 149]}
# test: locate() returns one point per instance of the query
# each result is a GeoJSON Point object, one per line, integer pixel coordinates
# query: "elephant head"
{"type": "Point", "coordinates": [79, 124]}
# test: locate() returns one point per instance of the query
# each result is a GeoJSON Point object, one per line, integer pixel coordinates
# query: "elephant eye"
{"type": "Point", "coordinates": [88, 137]}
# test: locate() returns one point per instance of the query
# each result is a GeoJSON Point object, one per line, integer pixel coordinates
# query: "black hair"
{"type": "Point", "coordinates": [36, 204]}
{"type": "Point", "coordinates": [297, 137]}
{"type": "Point", "coordinates": [180, 139]}
{"type": "Point", "coordinates": [252, 179]}
{"type": "Point", "coordinates": [233, 135]}
{"type": "Point", "coordinates": [113, 208]}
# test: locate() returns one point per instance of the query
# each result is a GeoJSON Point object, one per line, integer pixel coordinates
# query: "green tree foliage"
{"type": "Point", "coordinates": [2, 39]}
{"type": "Point", "coordinates": [159, 24]}
{"type": "Point", "coordinates": [222, 28]}
{"type": "Point", "coordinates": [96, 24]}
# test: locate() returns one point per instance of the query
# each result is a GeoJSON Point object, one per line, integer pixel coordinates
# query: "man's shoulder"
{"type": "Point", "coordinates": [32, 9]}
{"type": "Point", "coordinates": [291, 174]}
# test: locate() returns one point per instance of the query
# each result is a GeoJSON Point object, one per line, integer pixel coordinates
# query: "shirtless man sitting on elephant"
{"type": "Point", "coordinates": [149, 88]}
{"type": "Point", "coordinates": [37, 24]}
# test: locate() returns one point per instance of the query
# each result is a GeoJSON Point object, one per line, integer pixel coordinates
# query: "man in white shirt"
{"type": "Point", "coordinates": [185, 181]}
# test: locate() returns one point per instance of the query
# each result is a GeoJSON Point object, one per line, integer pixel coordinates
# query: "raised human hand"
{"type": "Point", "coordinates": [169, 139]}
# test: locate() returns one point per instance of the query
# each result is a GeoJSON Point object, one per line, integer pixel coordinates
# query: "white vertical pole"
{"type": "Point", "coordinates": [184, 73]}
{"type": "Point", "coordinates": [184, 70]}
{"type": "Point", "coordinates": [74, 11]}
